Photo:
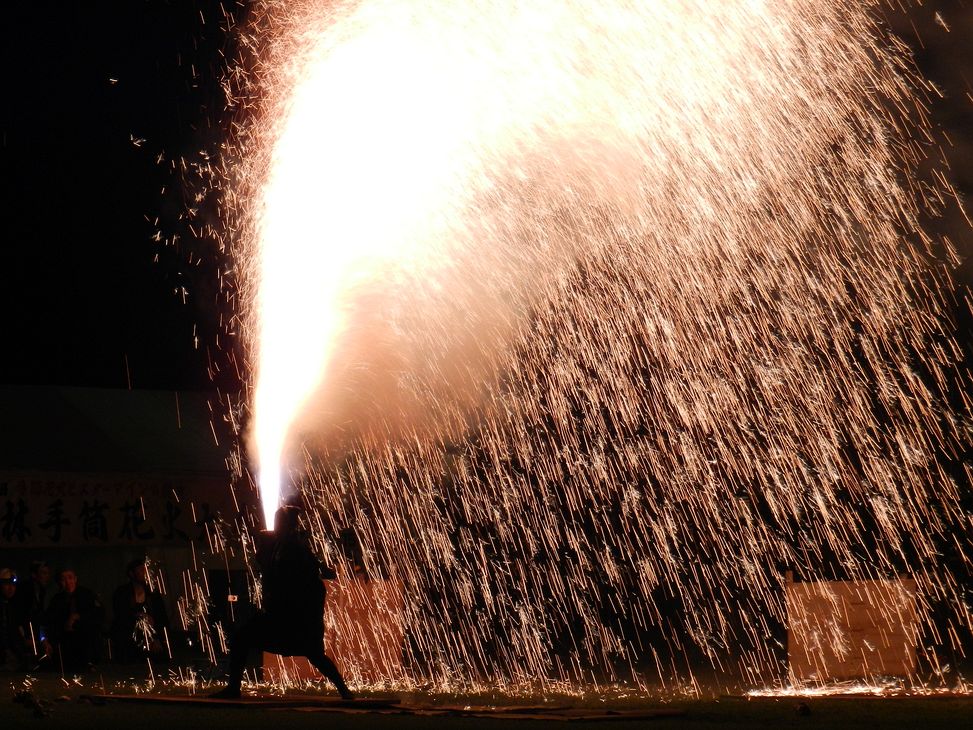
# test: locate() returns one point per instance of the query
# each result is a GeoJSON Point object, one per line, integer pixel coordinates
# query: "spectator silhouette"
{"type": "Point", "coordinates": [14, 642]}
{"type": "Point", "coordinates": [74, 624]}
{"type": "Point", "coordinates": [292, 621]}
{"type": "Point", "coordinates": [35, 593]}
{"type": "Point", "coordinates": [139, 617]}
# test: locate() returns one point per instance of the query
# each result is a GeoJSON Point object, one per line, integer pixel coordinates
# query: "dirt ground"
{"type": "Point", "coordinates": [50, 702]}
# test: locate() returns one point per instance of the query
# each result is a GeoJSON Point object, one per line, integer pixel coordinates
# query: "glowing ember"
{"type": "Point", "coordinates": [593, 317]}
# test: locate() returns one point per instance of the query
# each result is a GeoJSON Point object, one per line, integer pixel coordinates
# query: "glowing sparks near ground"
{"type": "Point", "coordinates": [594, 317]}
{"type": "Point", "coordinates": [889, 688]}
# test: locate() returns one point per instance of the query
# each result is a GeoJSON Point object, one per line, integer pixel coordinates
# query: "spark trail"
{"type": "Point", "coordinates": [591, 318]}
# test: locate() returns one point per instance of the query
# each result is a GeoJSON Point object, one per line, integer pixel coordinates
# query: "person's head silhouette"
{"type": "Point", "coordinates": [285, 521]}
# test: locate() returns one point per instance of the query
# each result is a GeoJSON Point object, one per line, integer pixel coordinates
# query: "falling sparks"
{"type": "Point", "coordinates": [591, 320]}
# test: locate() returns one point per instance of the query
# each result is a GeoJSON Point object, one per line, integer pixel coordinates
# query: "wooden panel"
{"type": "Point", "coordinates": [364, 629]}
{"type": "Point", "coordinates": [851, 629]}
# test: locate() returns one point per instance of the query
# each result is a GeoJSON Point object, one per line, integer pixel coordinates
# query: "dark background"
{"type": "Point", "coordinates": [102, 99]}
{"type": "Point", "coordinates": [104, 104]}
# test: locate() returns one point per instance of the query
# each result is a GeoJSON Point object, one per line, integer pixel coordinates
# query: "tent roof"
{"type": "Point", "coordinates": [102, 430]}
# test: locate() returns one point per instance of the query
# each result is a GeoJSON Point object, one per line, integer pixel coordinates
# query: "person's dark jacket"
{"type": "Point", "coordinates": [13, 629]}
{"type": "Point", "coordinates": [293, 590]}
{"type": "Point", "coordinates": [127, 617]}
{"type": "Point", "coordinates": [34, 598]}
{"type": "Point", "coordinates": [83, 602]}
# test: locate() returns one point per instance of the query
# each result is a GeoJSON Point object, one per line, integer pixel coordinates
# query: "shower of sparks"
{"type": "Point", "coordinates": [592, 318]}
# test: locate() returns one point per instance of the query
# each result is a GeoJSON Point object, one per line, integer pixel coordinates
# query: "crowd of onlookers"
{"type": "Point", "coordinates": [63, 626]}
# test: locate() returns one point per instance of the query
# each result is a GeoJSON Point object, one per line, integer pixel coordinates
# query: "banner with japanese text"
{"type": "Point", "coordinates": [71, 510]}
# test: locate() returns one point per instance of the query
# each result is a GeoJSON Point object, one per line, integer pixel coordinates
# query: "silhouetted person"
{"type": "Point", "coordinates": [14, 642]}
{"type": "Point", "coordinates": [138, 617]}
{"type": "Point", "coordinates": [74, 624]}
{"type": "Point", "coordinates": [36, 593]}
{"type": "Point", "coordinates": [292, 621]}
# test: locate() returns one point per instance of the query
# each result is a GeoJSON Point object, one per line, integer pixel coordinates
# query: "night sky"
{"type": "Point", "coordinates": [95, 94]}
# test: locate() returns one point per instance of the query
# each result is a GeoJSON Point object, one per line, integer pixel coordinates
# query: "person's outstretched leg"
{"type": "Point", "coordinates": [241, 642]}
{"type": "Point", "coordinates": [322, 662]}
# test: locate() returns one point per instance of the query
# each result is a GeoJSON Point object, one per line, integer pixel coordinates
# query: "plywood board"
{"type": "Point", "coordinates": [851, 629]}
